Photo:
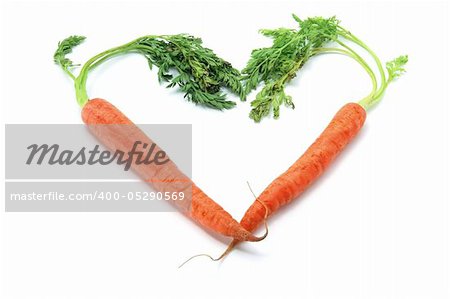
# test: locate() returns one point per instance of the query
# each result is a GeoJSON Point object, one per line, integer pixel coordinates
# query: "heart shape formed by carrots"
{"type": "Point", "coordinates": [199, 73]}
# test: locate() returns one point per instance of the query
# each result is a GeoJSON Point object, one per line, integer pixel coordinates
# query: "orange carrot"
{"type": "Point", "coordinates": [120, 134]}
{"type": "Point", "coordinates": [307, 169]}
{"type": "Point", "coordinates": [342, 129]}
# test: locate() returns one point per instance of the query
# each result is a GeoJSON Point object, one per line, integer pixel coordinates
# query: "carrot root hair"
{"type": "Point", "coordinates": [234, 242]}
{"type": "Point", "coordinates": [266, 215]}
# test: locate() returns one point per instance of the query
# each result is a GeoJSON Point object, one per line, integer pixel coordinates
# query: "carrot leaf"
{"type": "Point", "coordinates": [182, 62]}
{"type": "Point", "coordinates": [65, 47]}
{"type": "Point", "coordinates": [270, 98]}
{"type": "Point", "coordinates": [275, 66]}
{"type": "Point", "coordinates": [396, 67]}
{"type": "Point", "coordinates": [196, 70]}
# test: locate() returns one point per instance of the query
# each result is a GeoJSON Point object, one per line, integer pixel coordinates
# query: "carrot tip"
{"type": "Point", "coordinates": [230, 247]}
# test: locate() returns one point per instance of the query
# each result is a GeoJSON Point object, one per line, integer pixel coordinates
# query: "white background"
{"type": "Point", "coordinates": [376, 225]}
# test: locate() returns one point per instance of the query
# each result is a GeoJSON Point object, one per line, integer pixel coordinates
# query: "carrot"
{"type": "Point", "coordinates": [117, 132]}
{"type": "Point", "coordinates": [120, 134]}
{"type": "Point", "coordinates": [345, 125]}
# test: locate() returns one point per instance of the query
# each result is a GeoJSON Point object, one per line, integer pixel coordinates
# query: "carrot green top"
{"type": "Point", "coordinates": [182, 61]}
{"type": "Point", "coordinates": [291, 49]}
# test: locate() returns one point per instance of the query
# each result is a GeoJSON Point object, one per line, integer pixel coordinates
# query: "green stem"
{"type": "Point", "coordinates": [68, 73]}
{"type": "Point", "coordinates": [103, 59]}
{"type": "Point", "coordinates": [376, 97]}
{"type": "Point", "coordinates": [358, 59]}
{"type": "Point", "coordinates": [346, 34]}
{"type": "Point", "coordinates": [364, 64]}
{"type": "Point", "coordinates": [80, 81]}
